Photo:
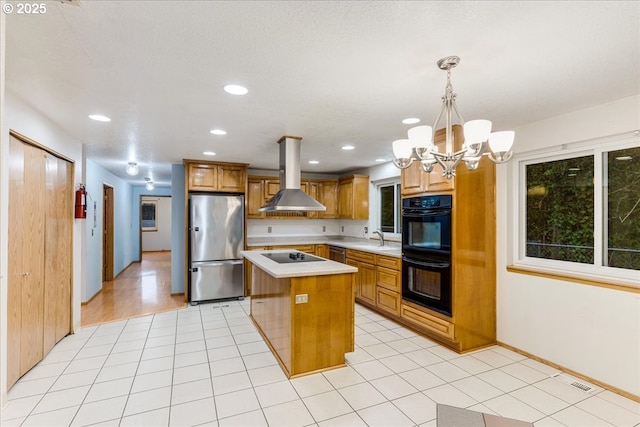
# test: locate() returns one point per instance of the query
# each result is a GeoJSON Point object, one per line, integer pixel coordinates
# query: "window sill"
{"type": "Point", "coordinates": [619, 285]}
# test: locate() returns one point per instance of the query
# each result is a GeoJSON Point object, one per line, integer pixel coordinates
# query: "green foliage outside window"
{"type": "Point", "coordinates": [560, 222]}
{"type": "Point", "coordinates": [623, 207]}
{"type": "Point", "coordinates": [560, 210]}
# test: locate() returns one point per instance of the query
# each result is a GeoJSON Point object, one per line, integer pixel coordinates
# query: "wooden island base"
{"type": "Point", "coordinates": [310, 336]}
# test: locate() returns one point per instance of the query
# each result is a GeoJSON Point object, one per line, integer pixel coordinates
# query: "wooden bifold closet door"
{"type": "Point", "coordinates": [40, 255]}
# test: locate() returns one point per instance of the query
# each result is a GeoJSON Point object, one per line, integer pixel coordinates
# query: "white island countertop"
{"type": "Point", "coordinates": [296, 269]}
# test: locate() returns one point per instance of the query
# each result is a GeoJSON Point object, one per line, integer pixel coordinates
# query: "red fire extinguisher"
{"type": "Point", "coordinates": [81, 202]}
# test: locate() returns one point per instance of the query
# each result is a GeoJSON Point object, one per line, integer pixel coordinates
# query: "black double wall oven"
{"type": "Point", "coordinates": [426, 252]}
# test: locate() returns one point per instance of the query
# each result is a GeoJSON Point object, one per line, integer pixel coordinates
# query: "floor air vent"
{"type": "Point", "coordinates": [587, 388]}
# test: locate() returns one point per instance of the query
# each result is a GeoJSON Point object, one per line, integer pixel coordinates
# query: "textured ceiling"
{"type": "Point", "coordinates": [330, 72]}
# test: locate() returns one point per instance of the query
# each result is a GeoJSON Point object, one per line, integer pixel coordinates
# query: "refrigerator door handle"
{"type": "Point", "coordinates": [215, 263]}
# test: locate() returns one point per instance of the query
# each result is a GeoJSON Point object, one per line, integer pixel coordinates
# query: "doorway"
{"type": "Point", "coordinates": [155, 224]}
{"type": "Point", "coordinates": [107, 234]}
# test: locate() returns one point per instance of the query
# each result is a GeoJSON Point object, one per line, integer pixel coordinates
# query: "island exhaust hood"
{"type": "Point", "coordinates": [290, 197]}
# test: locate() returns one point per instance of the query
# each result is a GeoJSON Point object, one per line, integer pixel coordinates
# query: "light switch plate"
{"type": "Point", "coordinates": [302, 299]}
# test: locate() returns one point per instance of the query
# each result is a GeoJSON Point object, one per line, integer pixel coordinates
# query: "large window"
{"type": "Point", "coordinates": [389, 206]}
{"type": "Point", "coordinates": [622, 206]}
{"type": "Point", "coordinates": [560, 210]}
{"type": "Point", "coordinates": [582, 208]}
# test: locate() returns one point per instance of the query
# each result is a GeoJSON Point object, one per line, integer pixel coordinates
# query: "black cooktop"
{"type": "Point", "coordinates": [291, 257]}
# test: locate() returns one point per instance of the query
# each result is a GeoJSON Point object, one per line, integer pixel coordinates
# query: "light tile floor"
{"type": "Point", "coordinates": [207, 365]}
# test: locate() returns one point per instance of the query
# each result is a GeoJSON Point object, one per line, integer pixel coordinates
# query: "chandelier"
{"type": "Point", "coordinates": [477, 133]}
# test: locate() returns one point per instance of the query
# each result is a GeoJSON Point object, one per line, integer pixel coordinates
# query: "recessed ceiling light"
{"type": "Point", "coordinates": [313, 162]}
{"type": "Point", "coordinates": [208, 153]}
{"type": "Point", "coordinates": [348, 147]}
{"type": "Point", "coordinates": [236, 89]}
{"type": "Point", "coordinates": [624, 158]}
{"type": "Point", "coordinates": [218, 132]}
{"type": "Point", "coordinates": [381, 160]}
{"type": "Point", "coordinates": [411, 121]}
{"type": "Point", "coordinates": [99, 117]}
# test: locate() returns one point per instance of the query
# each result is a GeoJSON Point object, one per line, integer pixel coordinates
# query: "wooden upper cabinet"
{"type": "Point", "coordinates": [262, 188]}
{"type": "Point", "coordinates": [232, 178]}
{"type": "Point", "coordinates": [328, 195]}
{"type": "Point", "coordinates": [353, 197]}
{"type": "Point", "coordinates": [202, 177]}
{"type": "Point", "coordinates": [415, 181]}
{"type": "Point", "coordinates": [311, 188]}
{"type": "Point", "coordinates": [438, 182]}
{"type": "Point", "coordinates": [218, 177]}
{"type": "Point", "coordinates": [255, 197]}
{"type": "Point", "coordinates": [271, 187]}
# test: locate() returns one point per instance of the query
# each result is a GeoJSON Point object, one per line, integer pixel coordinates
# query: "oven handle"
{"type": "Point", "coordinates": [427, 264]}
{"type": "Point", "coordinates": [421, 213]}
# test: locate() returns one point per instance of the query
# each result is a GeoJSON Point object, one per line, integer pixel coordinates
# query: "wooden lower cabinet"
{"type": "Point", "coordinates": [322, 251]}
{"type": "Point", "coordinates": [365, 278]}
{"type": "Point", "coordinates": [388, 301]}
{"type": "Point", "coordinates": [420, 318]}
{"type": "Point", "coordinates": [388, 298]}
{"type": "Point", "coordinates": [307, 337]}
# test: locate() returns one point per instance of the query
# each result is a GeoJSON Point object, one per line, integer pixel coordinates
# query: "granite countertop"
{"type": "Point", "coordinates": [300, 269]}
{"type": "Point", "coordinates": [392, 249]}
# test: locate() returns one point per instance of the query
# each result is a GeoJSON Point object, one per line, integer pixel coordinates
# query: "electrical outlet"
{"type": "Point", "coordinates": [366, 230]}
{"type": "Point", "coordinates": [268, 229]}
{"type": "Point", "coordinates": [324, 228]}
{"type": "Point", "coordinates": [343, 228]}
{"type": "Point", "coordinates": [302, 299]}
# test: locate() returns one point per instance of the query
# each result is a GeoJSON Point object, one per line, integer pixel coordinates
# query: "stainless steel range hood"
{"type": "Point", "coordinates": [290, 197]}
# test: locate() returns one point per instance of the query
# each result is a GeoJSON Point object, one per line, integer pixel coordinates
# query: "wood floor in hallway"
{"type": "Point", "coordinates": [142, 288]}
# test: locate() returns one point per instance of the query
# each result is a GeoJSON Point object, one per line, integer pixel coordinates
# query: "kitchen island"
{"type": "Point", "coordinates": [303, 308]}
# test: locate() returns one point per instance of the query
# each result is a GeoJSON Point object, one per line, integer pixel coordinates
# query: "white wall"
{"type": "Point", "coordinates": [95, 177]}
{"type": "Point", "coordinates": [4, 211]}
{"type": "Point", "coordinates": [24, 119]}
{"type": "Point", "coordinates": [591, 330]}
{"type": "Point", "coordinates": [159, 240]}
{"type": "Point", "coordinates": [178, 264]}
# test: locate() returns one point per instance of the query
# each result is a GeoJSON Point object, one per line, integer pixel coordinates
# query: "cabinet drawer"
{"type": "Point", "coordinates": [388, 300]}
{"type": "Point", "coordinates": [309, 249]}
{"type": "Point", "coordinates": [427, 321]}
{"type": "Point", "coordinates": [388, 278]}
{"type": "Point", "coordinates": [389, 262]}
{"type": "Point", "coordinates": [361, 256]}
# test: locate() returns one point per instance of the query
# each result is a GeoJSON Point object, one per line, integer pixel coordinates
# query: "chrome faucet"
{"type": "Point", "coordinates": [381, 234]}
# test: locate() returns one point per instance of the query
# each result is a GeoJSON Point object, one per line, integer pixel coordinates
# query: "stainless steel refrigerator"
{"type": "Point", "coordinates": [216, 227]}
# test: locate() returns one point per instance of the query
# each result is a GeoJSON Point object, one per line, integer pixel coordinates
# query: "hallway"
{"type": "Point", "coordinates": [142, 288]}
